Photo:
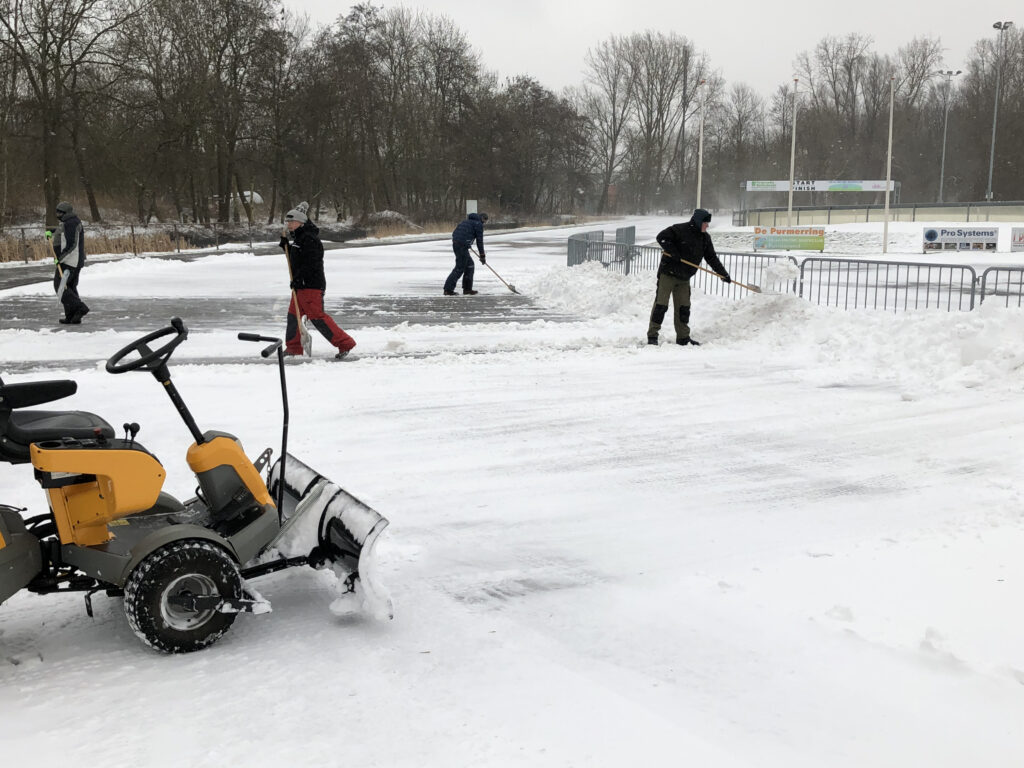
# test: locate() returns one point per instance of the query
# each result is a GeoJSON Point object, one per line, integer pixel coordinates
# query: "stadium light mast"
{"type": "Point", "coordinates": [1002, 26]}
{"type": "Point", "coordinates": [792, 158]}
{"type": "Point", "coordinates": [700, 142]}
{"type": "Point", "coordinates": [949, 74]}
{"type": "Point", "coordinates": [888, 165]}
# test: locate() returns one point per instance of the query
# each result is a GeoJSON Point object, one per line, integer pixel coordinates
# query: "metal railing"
{"type": "Point", "coordinates": [1007, 282]}
{"type": "Point", "coordinates": [625, 258]}
{"type": "Point", "coordinates": [843, 283]}
{"type": "Point", "coordinates": [889, 285]}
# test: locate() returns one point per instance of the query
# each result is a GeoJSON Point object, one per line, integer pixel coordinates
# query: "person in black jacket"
{"type": "Point", "coordinates": [470, 229]}
{"type": "Point", "coordinates": [69, 253]}
{"type": "Point", "coordinates": [305, 255]}
{"type": "Point", "coordinates": [685, 242]}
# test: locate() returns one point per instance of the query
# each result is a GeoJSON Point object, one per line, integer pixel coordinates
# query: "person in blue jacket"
{"type": "Point", "coordinates": [470, 229]}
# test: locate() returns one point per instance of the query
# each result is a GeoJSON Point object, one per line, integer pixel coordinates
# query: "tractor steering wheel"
{"type": "Point", "coordinates": [149, 359]}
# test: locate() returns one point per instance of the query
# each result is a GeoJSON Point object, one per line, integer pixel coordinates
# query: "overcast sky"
{"type": "Point", "coordinates": [749, 41]}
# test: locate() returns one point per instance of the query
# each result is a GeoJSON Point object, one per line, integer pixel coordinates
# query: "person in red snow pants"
{"type": "Point", "coordinates": [306, 260]}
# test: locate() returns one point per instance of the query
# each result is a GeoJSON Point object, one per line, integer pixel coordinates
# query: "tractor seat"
{"type": "Point", "coordinates": [26, 427]}
{"type": "Point", "coordinates": [36, 426]}
{"type": "Point", "coordinates": [19, 427]}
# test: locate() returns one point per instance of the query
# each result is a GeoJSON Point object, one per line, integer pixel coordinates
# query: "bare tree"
{"type": "Point", "coordinates": [667, 72]}
{"type": "Point", "coordinates": [607, 101]}
{"type": "Point", "coordinates": [54, 41]}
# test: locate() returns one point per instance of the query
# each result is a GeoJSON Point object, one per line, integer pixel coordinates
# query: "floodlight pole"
{"type": "Point", "coordinates": [888, 166]}
{"type": "Point", "coordinates": [700, 142]}
{"type": "Point", "coordinates": [949, 74]}
{"type": "Point", "coordinates": [792, 158]}
{"type": "Point", "coordinates": [1002, 26]}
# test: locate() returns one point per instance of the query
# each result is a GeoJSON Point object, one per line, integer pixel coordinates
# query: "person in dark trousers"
{"type": "Point", "coordinates": [687, 241]}
{"type": "Point", "coordinates": [69, 252]}
{"type": "Point", "coordinates": [305, 255]}
{"type": "Point", "coordinates": [470, 229]}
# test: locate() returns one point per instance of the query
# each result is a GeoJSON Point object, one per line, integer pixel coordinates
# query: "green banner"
{"type": "Point", "coordinates": [789, 242]}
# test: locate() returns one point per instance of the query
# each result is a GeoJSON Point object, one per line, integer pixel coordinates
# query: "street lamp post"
{"type": "Point", "coordinates": [792, 158]}
{"type": "Point", "coordinates": [700, 142]}
{"type": "Point", "coordinates": [949, 74]}
{"type": "Point", "coordinates": [888, 166]}
{"type": "Point", "coordinates": [1002, 26]}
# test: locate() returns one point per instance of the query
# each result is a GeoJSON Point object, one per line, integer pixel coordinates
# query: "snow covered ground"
{"type": "Point", "coordinates": [796, 545]}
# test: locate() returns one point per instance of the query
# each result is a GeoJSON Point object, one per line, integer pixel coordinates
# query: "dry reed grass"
{"type": "Point", "coordinates": [393, 229]}
{"type": "Point", "coordinates": [38, 249]}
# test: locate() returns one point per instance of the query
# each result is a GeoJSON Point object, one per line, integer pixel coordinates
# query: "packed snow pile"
{"type": "Point", "coordinates": [591, 290]}
{"type": "Point", "coordinates": [924, 351]}
{"type": "Point", "coordinates": [389, 219]}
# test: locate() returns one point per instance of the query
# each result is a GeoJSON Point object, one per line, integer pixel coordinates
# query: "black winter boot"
{"type": "Point", "coordinates": [652, 340]}
{"type": "Point", "coordinates": [687, 340]}
{"type": "Point", "coordinates": [470, 292]}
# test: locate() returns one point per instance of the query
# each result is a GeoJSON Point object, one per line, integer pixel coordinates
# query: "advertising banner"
{"type": "Point", "coordinates": [832, 185]}
{"type": "Point", "coordinates": [961, 239]}
{"type": "Point", "coordinates": [1017, 239]}
{"type": "Point", "coordinates": [789, 238]}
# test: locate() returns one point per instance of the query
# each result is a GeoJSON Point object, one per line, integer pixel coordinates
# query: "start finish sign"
{"type": "Point", "coordinates": [789, 238]}
{"type": "Point", "coordinates": [961, 239]}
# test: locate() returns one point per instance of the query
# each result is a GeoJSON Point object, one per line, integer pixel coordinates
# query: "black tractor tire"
{"type": "Point", "coordinates": [189, 566]}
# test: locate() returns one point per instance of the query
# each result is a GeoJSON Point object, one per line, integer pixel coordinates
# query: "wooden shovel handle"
{"type": "Point", "coordinates": [753, 288]}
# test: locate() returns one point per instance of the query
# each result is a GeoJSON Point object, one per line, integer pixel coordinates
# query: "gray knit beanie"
{"type": "Point", "coordinates": [298, 213]}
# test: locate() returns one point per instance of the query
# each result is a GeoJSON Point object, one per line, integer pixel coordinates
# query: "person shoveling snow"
{"type": "Point", "coordinates": [684, 246]}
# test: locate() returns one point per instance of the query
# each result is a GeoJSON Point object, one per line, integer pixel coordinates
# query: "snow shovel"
{"type": "Point", "coordinates": [331, 528]}
{"type": "Point", "coordinates": [63, 282]}
{"type": "Point", "coordinates": [507, 285]}
{"type": "Point", "coordinates": [304, 339]}
{"type": "Point", "coordinates": [63, 275]}
{"type": "Point", "coordinates": [752, 288]}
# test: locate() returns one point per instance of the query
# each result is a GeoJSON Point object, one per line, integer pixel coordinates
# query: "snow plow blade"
{"type": "Point", "coordinates": [331, 527]}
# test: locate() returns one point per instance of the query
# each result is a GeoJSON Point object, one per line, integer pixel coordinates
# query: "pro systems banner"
{"type": "Point", "coordinates": [961, 239]}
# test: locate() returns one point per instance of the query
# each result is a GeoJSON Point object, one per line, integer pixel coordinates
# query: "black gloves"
{"type": "Point", "coordinates": [726, 278]}
{"type": "Point", "coordinates": [483, 258]}
{"type": "Point", "coordinates": [284, 241]}
{"type": "Point", "coordinates": [292, 285]}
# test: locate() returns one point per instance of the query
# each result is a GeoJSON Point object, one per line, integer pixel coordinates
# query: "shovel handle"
{"type": "Point", "coordinates": [753, 288]}
{"type": "Point", "coordinates": [492, 270]}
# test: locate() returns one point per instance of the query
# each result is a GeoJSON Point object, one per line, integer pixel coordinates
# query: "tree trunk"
{"type": "Point", "coordinates": [51, 179]}
{"type": "Point", "coordinates": [246, 204]}
{"type": "Point", "coordinates": [83, 176]}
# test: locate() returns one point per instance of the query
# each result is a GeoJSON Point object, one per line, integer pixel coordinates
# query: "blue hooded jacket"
{"type": "Point", "coordinates": [472, 228]}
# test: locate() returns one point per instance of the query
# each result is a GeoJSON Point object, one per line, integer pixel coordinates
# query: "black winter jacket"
{"type": "Point", "coordinates": [686, 242]}
{"type": "Point", "coordinates": [306, 257]}
{"type": "Point", "coordinates": [69, 242]}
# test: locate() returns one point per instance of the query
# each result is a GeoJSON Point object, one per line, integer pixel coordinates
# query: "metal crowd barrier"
{"type": "Point", "coordinates": [844, 283]}
{"type": "Point", "coordinates": [1007, 282]}
{"type": "Point", "coordinates": [891, 285]}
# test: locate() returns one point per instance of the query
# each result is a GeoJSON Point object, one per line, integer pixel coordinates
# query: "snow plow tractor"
{"type": "Point", "coordinates": [183, 568]}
